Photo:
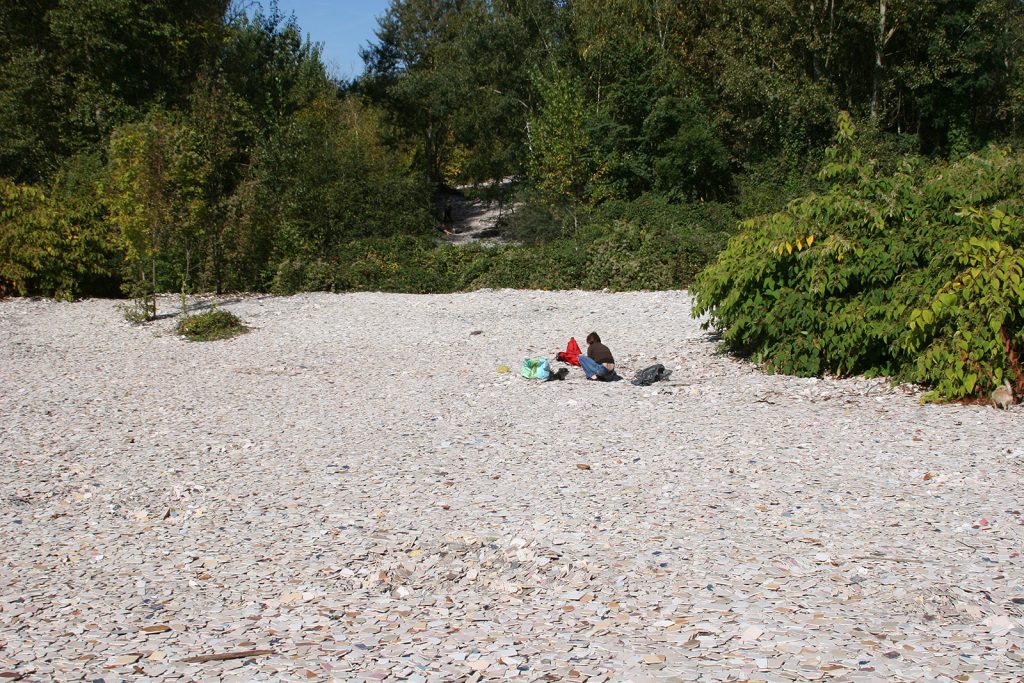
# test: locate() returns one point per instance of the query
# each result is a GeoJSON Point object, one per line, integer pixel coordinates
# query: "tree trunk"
{"type": "Point", "coordinates": [217, 263]}
{"type": "Point", "coordinates": [152, 290]}
{"type": "Point", "coordinates": [876, 80]}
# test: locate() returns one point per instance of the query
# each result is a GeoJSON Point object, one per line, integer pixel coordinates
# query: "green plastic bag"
{"type": "Point", "coordinates": [535, 368]}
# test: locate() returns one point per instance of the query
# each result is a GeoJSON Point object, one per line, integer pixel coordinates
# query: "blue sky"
{"type": "Point", "coordinates": [340, 26]}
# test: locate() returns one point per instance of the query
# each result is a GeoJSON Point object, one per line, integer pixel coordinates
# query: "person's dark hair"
{"type": "Point", "coordinates": [592, 338]}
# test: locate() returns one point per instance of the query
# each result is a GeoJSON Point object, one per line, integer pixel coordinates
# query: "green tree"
{"type": "Point", "coordinates": [321, 182]}
{"type": "Point", "coordinates": [690, 162]}
{"type": "Point", "coordinates": [266, 63]}
{"type": "Point", "coordinates": [72, 70]}
{"type": "Point", "coordinates": [409, 70]}
{"type": "Point", "coordinates": [227, 128]}
{"type": "Point", "coordinates": [561, 166]}
{"type": "Point", "coordinates": [91, 250]}
{"type": "Point", "coordinates": [950, 68]}
{"type": "Point", "coordinates": [157, 199]}
{"type": "Point", "coordinates": [29, 107]}
{"type": "Point", "coordinates": [495, 46]}
{"type": "Point", "coordinates": [28, 141]}
{"type": "Point", "coordinates": [455, 78]}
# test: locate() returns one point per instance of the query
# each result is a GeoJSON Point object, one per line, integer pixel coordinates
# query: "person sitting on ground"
{"type": "Point", "coordinates": [598, 364]}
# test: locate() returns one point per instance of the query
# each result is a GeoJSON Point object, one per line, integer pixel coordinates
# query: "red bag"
{"type": "Point", "coordinates": [572, 352]}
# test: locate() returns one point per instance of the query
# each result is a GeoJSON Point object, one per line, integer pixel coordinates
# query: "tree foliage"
{"type": "Point", "coordinates": [156, 197]}
{"type": "Point", "coordinates": [167, 144]}
{"type": "Point", "coordinates": [73, 70]}
{"type": "Point", "coordinates": [317, 185]}
{"type": "Point", "coordinates": [29, 242]}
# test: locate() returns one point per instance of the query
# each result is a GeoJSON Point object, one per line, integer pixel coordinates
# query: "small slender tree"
{"type": "Point", "coordinates": [157, 200]}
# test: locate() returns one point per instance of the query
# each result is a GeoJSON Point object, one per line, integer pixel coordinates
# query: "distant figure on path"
{"type": "Point", "coordinates": [598, 364]}
{"type": "Point", "coordinates": [447, 220]}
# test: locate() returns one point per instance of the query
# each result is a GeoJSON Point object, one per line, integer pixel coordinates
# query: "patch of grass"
{"type": "Point", "coordinates": [134, 313]}
{"type": "Point", "coordinates": [211, 326]}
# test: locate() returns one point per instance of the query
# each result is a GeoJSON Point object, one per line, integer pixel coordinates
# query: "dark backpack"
{"type": "Point", "coordinates": [558, 375]}
{"type": "Point", "coordinates": [650, 375]}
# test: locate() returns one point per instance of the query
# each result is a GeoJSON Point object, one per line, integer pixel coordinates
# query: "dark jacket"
{"type": "Point", "coordinates": [600, 353]}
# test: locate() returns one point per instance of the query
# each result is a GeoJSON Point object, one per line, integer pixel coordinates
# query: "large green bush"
{"type": "Point", "coordinates": [29, 240]}
{"type": "Point", "coordinates": [915, 274]}
{"type": "Point", "coordinates": [971, 335]}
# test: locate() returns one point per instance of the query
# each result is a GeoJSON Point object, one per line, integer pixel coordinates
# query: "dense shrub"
{"type": "Point", "coordinates": [677, 240]}
{"type": "Point", "coordinates": [54, 242]}
{"type": "Point", "coordinates": [92, 251]}
{"type": "Point", "coordinates": [536, 220]}
{"type": "Point", "coordinates": [768, 185]}
{"type": "Point", "coordinates": [915, 274]}
{"type": "Point", "coordinates": [211, 326]}
{"type": "Point", "coordinates": [29, 242]}
{"type": "Point", "coordinates": [970, 336]}
{"type": "Point", "coordinates": [617, 254]}
{"type": "Point", "coordinates": [301, 275]}
{"type": "Point", "coordinates": [554, 266]}
{"type": "Point", "coordinates": [652, 242]}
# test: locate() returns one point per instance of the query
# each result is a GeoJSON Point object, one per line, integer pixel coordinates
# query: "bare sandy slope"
{"type": "Point", "coordinates": [476, 220]}
{"type": "Point", "coordinates": [353, 491]}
